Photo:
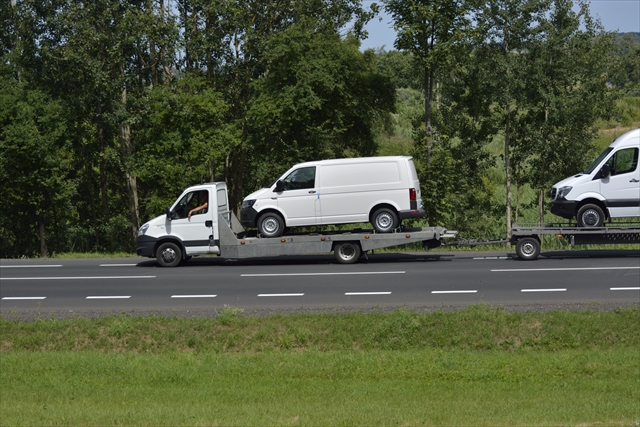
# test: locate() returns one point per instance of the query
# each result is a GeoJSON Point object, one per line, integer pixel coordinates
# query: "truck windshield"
{"type": "Point", "coordinates": [597, 161]}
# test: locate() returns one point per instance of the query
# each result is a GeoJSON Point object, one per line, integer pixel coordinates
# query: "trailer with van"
{"type": "Point", "coordinates": [200, 222]}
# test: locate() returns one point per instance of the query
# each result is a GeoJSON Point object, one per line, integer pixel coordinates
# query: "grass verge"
{"type": "Point", "coordinates": [481, 367]}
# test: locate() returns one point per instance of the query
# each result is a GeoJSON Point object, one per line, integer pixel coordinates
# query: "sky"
{"type": "Point", "coordinates": [615, 15]}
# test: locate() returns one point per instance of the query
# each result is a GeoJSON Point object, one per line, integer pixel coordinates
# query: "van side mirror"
{"type": "Point", "coordinates": [279, 186]}
{"type": "Point", "coordinates": [605, 171]}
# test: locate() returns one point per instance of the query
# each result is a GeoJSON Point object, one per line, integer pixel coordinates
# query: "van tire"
{"type": "Point", "coordinates": [384, 220]}
{"type": "Point", "coordinates": [347, 252]}
{"type": "Point", "coordinates": [590, 215]}
{"type": "Point", "coordinates": [271, 224]}
{"type": "Point", "coordinates": [169, 254]}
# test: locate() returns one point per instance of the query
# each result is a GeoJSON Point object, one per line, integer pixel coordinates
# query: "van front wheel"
{"type": "Point", "coordinates": [590, 216]}
{"type": "Point", "coordinates": [384, 220]}
{"type": "Point", "coordinates": [271, 225]}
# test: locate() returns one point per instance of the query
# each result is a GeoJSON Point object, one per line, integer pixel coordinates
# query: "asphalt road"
{"type": "Point", "coordinates": [388, 280]}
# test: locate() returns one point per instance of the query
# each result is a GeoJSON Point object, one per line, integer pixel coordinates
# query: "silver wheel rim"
{"type": "Point", "coordinates": [384, 221]}
{"type": "Point", "coordinates": [168, 255]}
{"type": "Point", "coordinates": [270, 226]}
{"type": "Point", "coordinates": [347, 252]}
{"type": "Point", "coordinates": [590, 218]}
{"type": "Point", "coordinates": [528, 248]}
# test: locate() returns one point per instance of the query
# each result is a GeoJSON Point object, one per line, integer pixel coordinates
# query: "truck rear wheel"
{"type": "Point", "coordinates": [528, 248]}
{"type": "Point", "coordinates": [347, 252]}
{"type": "Point", "coordinates": [169, 254]}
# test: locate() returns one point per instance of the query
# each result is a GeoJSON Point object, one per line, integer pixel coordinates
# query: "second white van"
{"type": "Point", "coordinates": [380, 190]}
{"type": "Point", "coordinates": [609, 188]}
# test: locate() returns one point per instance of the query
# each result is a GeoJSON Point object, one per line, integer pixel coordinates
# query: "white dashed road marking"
{"type": "Point", "coordinates": [367, 293]}
{"type": "Point", "coordinates": [193, 296]}
{"type": "Point", "coordinates": [569, 269]}
{"type": "Point", "coordinates": [280, 295]}
{"type": "Point", "coordinates": [625, 289]}
{"type": "Point", "coordinates": [22, 298]}
{"type": "Point", "coordinates": [110, 297]}
{"type": "Point", "coordinates": [77, 278]}
{"type": "Point", "coordinates": [322, 274]}
{"type": "Point", "coordinates": [455, 292]}
{"type": "Point", "coordinates": [30, 266]}
{"type": "Point", "coordinates": [543, 290]}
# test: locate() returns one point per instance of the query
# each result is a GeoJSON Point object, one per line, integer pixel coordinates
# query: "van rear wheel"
{"type": "Point", "coordinates": [590, 216]}
{"type": "Point", "coordinates": [384, 220]}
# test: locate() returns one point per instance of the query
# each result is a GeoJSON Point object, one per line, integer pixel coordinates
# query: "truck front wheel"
{"type": "Point", "coordinates": [169, 254]}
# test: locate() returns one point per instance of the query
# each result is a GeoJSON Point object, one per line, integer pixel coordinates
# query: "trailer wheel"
{"type": "Point", "coordinates": [590, 216]}
{"type": "Point", "coordinates": [169, 254]}
{"type": "Point", "coordinates": [347, 252]}
{"type": "Point", "coordinates": [528, 248]}
{"type": "Point", "coordinates": [384, 220]}
{"type": "Point", "coordinates": [271, 225]}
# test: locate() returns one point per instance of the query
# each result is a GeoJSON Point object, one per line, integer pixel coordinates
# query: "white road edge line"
{"type": "Point", "coordinates": [77, 278]}
{"type": "Point", "coordinates": [193, 296]}
{"type": "Point", "coordinates": [544, 290]}
{"type": "Point", "coordinates": [322, 274]}
{"type": "Point", "coordinates": [625, 289]}
{"type": "Point", "coordinates": [367, 293]}
{"type": "Point", "coordinates": [455, 292]}
{"type": "Point", "coordinates": [30, 266]}
{"type": "Point", "coordinates": [21, 298]}
{"type": "Point", "coordinates": [110, 297]}
{"type": "Point", "coordinates": [280, 295]}
{"type": "Point", "coordinates": [570, 269]}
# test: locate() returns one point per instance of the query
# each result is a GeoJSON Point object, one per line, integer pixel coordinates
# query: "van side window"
{"type": "Point", "coordinates": [624, 161]}
{"type": "Point", "coordinates": [300, 179]}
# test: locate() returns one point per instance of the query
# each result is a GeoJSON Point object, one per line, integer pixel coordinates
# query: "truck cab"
{"type": "Point", "coordinates": [609, 188]}
{"type": "Point", "coordinates": [189, 227]}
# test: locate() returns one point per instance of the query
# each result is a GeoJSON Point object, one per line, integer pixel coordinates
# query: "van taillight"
{"type": "Point", "coordinates": [412, 194]}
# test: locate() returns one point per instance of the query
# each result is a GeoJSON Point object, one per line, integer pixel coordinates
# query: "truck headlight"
{"type": "Point", "coordinates": [248, 203]}
{"type": "Point", "coordinates": [562, 192]}
{"type": "Point", "coordinates": [143, 229]}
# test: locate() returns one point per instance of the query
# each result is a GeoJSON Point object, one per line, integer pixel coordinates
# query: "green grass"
{"type": "Point", "coordinates": [481, 366]}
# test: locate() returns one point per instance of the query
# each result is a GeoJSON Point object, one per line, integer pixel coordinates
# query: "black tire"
{"type": "Point", "coordinates": [384, 220]}
{"type": "Point", "coordinates": [590, 215]}
{"type": "Point", "coordinates": [271, 225]}
{"type": "Point", "coordinates": [347, 252]}
{"type": "Point", "coordinates": [528, 248]}
{"type": "Point", "coordinates": [169, 254]}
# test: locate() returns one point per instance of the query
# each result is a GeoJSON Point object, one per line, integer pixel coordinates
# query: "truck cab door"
{"type": "Point", "coordinates": [195, 230]}
{"type": "Point", "coordinates": [621, 188]}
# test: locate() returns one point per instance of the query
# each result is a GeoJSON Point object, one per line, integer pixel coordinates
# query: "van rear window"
{"type": "Point", "coordinates": [359, 174]}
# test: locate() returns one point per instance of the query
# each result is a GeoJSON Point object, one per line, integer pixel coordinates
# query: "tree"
{"type": "Point", "coordinates": [429, 30]}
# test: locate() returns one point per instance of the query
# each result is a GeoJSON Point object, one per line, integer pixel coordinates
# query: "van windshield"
{"type": "Point", "coordinates": [597, 161]}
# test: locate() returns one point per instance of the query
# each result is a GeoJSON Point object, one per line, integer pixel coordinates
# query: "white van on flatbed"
{"type": "Point", "coordinates": [609, 188]}
{"type": "Point", "coordinates": [380, 190]}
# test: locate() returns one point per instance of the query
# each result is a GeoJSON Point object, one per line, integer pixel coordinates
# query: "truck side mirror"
{"type": "Point", "coordinates": [279, 186]}
{"type": "Point", "coordinates": [605, 171]}
{"type": "Point", "coordinates": [168, 213]}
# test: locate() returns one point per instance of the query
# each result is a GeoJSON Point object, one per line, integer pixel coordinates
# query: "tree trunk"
{"type": "Point", "coordinates": [132, 186]}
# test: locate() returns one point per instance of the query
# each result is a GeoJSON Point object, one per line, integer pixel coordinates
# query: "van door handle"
{"type": "Point", "coordinates": [312, 191]}
{"type": "Point", "coordinates": [634, 180]}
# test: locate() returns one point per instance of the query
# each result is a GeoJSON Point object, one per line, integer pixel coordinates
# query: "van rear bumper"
{"type": "Point", "coordinates": [411, 213]}
{"type": "Point", "coordinates": [564, 208]}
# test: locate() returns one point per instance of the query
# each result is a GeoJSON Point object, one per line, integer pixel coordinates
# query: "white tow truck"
{"type": "Point", "coordinates": [200, 222]}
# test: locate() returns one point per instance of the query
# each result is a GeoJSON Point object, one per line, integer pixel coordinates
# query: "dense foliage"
{"type": "Point", "coordinates": [110, 108]}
